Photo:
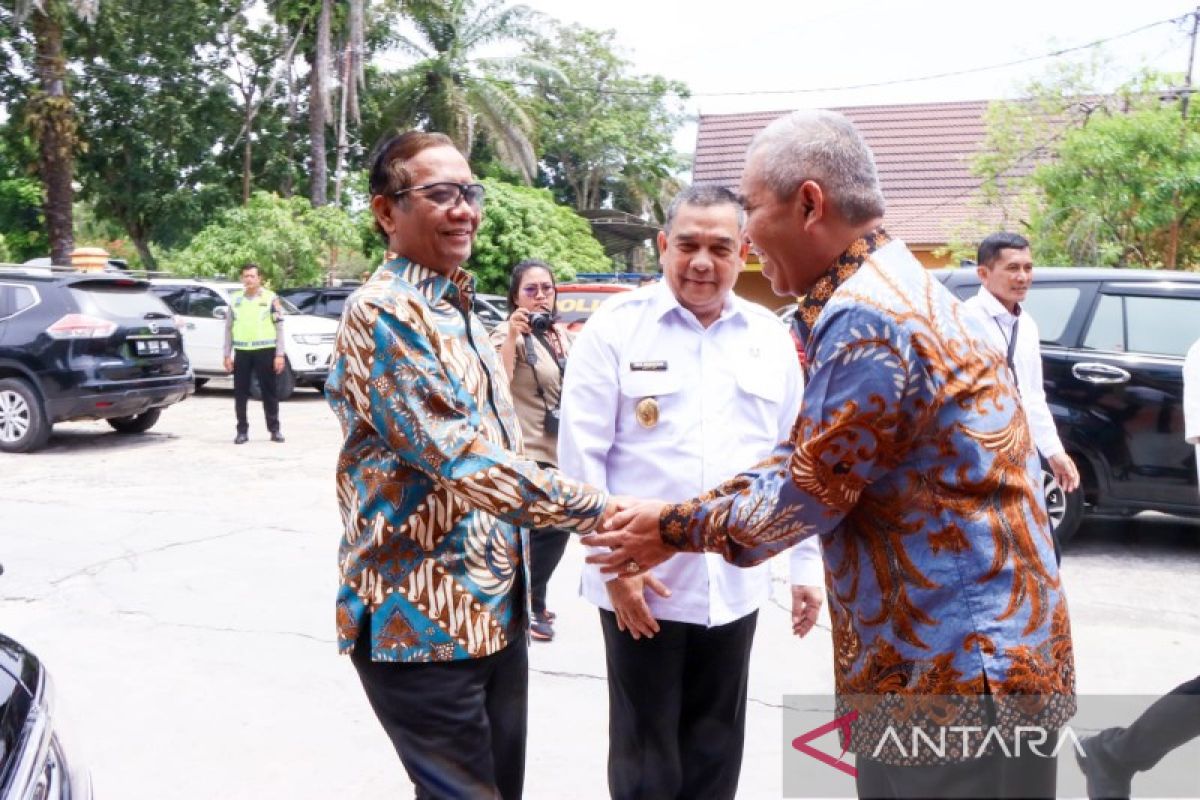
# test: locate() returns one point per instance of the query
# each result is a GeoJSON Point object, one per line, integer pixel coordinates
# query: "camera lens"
{"type": "Point", "coordinates": [539, 322]}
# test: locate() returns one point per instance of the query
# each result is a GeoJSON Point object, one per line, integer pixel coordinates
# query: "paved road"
{"type": "Point", "coordinates": [181, 591]}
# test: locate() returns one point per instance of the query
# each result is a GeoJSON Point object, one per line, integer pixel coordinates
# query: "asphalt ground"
{"type": "Point", "coordinates": [180, 589]}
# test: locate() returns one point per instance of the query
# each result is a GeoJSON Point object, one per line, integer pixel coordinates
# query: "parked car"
{"type": "Point", "coordinates": [492, 309]}
{"type": "Point", "coordinates": [1113, 344]}
{"type": "Point", "coordinates": [35, 762]}
{"type": "Point", "coordinates": [577, 301]}
{"type": "Point", "coordinates": [321, 301]}
{"type": "Point", "coordinates": [203, 307]}
{"type": "Point", "coordinates": [110, 265]}
{"type": "Point", "coordinates": [328, 301]}
{"type": "Point", "coordinates": [84, 345]}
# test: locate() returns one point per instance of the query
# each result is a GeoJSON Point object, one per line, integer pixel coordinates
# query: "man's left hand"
{"type": "Point", "coordinates": [806, 604]}
{"type": "Point", "coordinates": [1064, 472]}
{"type": "Point", "coordinates": [279, 362]}
{"type": "Point", "coordinates": [634, 539]}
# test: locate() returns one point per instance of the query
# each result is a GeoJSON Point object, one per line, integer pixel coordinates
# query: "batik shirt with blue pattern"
{"type": "Point", "coordinates": [912, 460]}
{"type": "Point", "coordinates": [432, 491]}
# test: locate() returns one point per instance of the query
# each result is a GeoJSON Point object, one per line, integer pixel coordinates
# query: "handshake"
{"type": "Point", "coordinates": [630, 529]}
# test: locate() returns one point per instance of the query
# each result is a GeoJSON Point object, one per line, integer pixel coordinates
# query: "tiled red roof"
{"type": "Point", "coordinates": [922, 151]}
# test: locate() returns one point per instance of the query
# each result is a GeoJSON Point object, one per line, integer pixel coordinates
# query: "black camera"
{"type": "Point", "coordinates": [540, 321]}
{"type": "Point", "coordinates": [551, 421]}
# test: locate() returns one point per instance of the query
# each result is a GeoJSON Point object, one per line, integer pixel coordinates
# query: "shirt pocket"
{"type": "Point", "coordinates": [760, 383]}
{"type": "Point", "coordinates": [651, 404]}
{"type": "Point", "coordinates": [761, 394]}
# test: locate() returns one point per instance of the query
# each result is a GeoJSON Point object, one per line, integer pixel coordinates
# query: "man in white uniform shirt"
{"type": "Point", "coordinates": [1005, 266]}
{"type": "Point", "coordinates": [670, 390]}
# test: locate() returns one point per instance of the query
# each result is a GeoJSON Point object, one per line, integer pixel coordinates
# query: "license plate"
{"type": "Point", "coordinates": [152, 347]}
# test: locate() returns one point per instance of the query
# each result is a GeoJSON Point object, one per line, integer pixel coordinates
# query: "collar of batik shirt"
{"type": "Point", "coordinates": [458, 288]}
{"type": "Point", "coordinates": [848, 263]}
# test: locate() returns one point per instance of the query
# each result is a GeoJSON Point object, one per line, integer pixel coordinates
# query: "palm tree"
{"type": "Point", "coordinates": [449, 91]}
{"type": "Point", "coordinates": [51, 114]}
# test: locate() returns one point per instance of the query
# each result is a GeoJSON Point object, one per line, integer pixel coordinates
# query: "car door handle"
{"type": "Point", "coordinates": [1093, 372]}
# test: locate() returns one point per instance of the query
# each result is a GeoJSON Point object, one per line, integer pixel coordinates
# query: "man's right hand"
{"type": "Point", "coordinates": [628, 598]}
{"type": "Point", "coordinates": [616, 504]}
{"type": "Point", "coordinates": [1064, 472]}
{"type": "Point", "coordinates": [229, 363]}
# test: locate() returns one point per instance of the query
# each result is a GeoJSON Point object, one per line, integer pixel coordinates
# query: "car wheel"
{"type": "Point", "coordinates": [138, 423]}
{"type": "Point", "coordinates": [200, 382]}
{"type": "Point", "coordinates": [1065, 508]}
{"type": "Point", "coordinates": [285, 384]}
{"type": "Point", "coordinates": [23, 425]}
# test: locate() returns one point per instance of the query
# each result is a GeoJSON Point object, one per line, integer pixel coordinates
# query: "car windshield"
{"type": "Point", "coordinates": [115, 301]}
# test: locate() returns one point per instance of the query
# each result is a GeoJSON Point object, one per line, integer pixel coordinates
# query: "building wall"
{"type": "Point", "coordinates": [753, 285]}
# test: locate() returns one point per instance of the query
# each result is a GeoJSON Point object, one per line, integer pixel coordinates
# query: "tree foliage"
{"type": "Point", "coordinates": [170, 115]}
{"type": "Point", "coordinates": [451, 89]}
{"type": "Point", "coordinates": [20, 220]}
{"type": "Point", "coordinates": [290, 239]}
{"type": "Point", "coordinates": [21, 223]}
{"type": "Point", "coordinates": [1121, 189]}
{"type": "Point", "coordinates": [605, 134]}
{"type": "Point", "coordinates": [159, 108]}
{"type": "Point", "coordinates": [1091, 176]}
{"type": "Point", "coordinates": [47, 109]}
{"type": "Point", "coordinates": [520, 222]}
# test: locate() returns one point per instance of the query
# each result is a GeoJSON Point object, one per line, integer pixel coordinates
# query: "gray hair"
{"type": "Point", "coordinates": [824, 147]}
{"type": "Point", "coordinates": [705, 195]}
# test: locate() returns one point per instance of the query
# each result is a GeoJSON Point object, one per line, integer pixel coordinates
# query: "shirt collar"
{"type": "Point", "coordinates": [457, 288]}
{"type": "Point", "coordinates": [848, 263]}
{"type": "Point", "coordinates": [994, 307]}
{"type": "Point", "coordinates": [664, 302]}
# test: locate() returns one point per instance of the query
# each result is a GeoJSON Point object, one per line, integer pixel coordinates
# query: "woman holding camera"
{"type": "Point", "coordinates": [533, 348]}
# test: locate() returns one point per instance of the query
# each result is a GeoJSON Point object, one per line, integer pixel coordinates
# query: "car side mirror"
{"type": "Point", "coordinates": [221, 312]}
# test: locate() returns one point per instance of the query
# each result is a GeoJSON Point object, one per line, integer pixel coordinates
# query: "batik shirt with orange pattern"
{"type": "Point", "coordinates": [432, 492]}
{"type": "Point", "coordinates": [912, 460]}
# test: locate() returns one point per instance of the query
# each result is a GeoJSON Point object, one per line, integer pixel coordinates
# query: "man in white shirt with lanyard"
{"type": "Point", "coordinates": [1005, 267]}
{"type": "Point", "coordinates": [671, 389]}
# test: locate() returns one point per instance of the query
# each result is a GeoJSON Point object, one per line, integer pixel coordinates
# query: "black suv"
{"type": "Point", "coordinates": [1113, 344]}
{"type": "Point", "coordinates": [320, 301]}
{"type": "Point", "coordinates": [84, 345]}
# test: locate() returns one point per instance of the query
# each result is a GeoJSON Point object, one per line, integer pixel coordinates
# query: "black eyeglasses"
{"type": "Point", "coordinates": [447, 194]}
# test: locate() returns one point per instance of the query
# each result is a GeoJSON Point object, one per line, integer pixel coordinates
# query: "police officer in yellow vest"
{"type": "Point", "coordinates": [254, 345]}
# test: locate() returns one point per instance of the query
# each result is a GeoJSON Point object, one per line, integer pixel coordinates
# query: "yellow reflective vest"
{"type": "Point", "coordinates": [253, 322]}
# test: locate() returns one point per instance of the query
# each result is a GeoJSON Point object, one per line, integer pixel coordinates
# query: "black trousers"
{"type": "Point", "coordinates": [677, 709]}
{"type": "Point", "coordinates": [260, 363]}
{"type": "Point", "coordinates": [458, 726]}
{"type": "Point", "coordinates": [1171, 721]}
{"type": "Point", "coordinates": [546, 547]}
{"type": "Point", "coordinates": [993, 776]}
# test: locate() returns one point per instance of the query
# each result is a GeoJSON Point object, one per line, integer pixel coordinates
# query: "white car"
{"type": "Point", "coordinates": [202, 308]}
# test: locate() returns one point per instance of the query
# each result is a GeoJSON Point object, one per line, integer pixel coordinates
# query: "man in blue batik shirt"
{"type": "Point", "coordinates": [433, 490]}
{"type": "Point", "coordinates": [912, 460]}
